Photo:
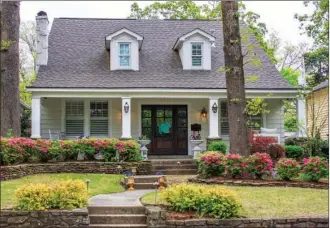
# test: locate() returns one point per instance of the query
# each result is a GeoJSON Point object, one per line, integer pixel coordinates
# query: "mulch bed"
{"type": "Point", "coordinates": [260, 183]}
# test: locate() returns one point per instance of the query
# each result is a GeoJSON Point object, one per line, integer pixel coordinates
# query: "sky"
{"type": "Point", "coordinates": [278, 15]}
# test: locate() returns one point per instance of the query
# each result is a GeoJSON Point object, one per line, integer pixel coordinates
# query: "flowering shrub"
{"type": "Point", "coordinates": [211, 164]}
{"type": "Point", "coordinates": [260, 144]}
{"type": "Point", "coordinates": [57, 195]}
{"type": "Point", "coordinates": [259, 164]}
{"type": "Point", "coordinates": [315, 168]}
{"type": "Point", "coordinates": [217, 202]}
{"type": "Point", "coordinates": [235, 165]}
{"type": "Point", "coordinates": [20, 150]}
{"type": "Point", "coordinates": [287, 168]}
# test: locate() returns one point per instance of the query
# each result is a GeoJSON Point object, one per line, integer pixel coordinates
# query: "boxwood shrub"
{"type": "Point", "coordinates": [218, 146]}
{"type": "Point", "coordinates": [295, 152]}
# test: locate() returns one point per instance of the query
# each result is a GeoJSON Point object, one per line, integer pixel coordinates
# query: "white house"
{"type": "Point", "coordinates": [126, 78]}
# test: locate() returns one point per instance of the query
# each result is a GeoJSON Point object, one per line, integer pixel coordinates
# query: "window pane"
{"type": "Point", "coordinates": [146, 122]}
{"type": "Point", "coordinates": [146, 113]}
{"type": "Point", "coordinates": [124, 60]}
{"type": "Point", "coordinates": [197, 60]}
{"type": "Point", "coordinates": [99, 109]}
{"type": "Point", "coordinates": [124, 49]}
{"type": "Point", "coordinates": [196, 49]}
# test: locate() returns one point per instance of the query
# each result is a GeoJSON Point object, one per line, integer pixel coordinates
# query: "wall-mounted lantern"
{"type": "Point", "coordinates": [204, 113]}
{"type": "Point", "coordinates": [214, 108]}
{"type": "Point", "coordinates": [126, 107]}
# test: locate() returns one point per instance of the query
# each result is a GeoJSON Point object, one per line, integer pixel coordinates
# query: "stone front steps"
{"type": "Point", "coordinates": [117, 216]}
{"type": "Point", "coordinates": [174, 166]}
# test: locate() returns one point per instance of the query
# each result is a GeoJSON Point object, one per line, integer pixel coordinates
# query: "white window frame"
{"type": "Point", "coordinates": [191, 54]}
{"type": "Point", "coordinates": [122, 55]}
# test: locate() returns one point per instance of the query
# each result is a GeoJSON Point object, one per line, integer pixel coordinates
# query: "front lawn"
{"type": "Point", "coordinates": [99, 184]}
{"type": "Point", "coordinates": [265, 202]}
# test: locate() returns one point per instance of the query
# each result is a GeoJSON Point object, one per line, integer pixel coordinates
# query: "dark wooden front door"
{"type": "Point", "coordinates": [167, 127]}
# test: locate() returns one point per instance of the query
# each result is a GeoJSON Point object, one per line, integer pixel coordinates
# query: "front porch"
{"type": "Point", "coordinates": [165, 118]}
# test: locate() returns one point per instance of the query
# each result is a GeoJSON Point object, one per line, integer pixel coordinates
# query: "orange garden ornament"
{"type": "Point", "coordinates": [130, 183]}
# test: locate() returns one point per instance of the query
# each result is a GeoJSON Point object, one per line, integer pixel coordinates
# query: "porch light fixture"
{"type": "Point", "coordinates": [214, 108]}
{"type": "Point", "coordinates": [204, 113]}
{"type": "Point", "coordinates": [126, 107]}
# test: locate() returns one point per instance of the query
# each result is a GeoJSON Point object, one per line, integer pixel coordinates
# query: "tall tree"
{"type": "Point", "coordinates": [234, 79]}
{"type": "Point", "coordinates": [10, 103]}
{"type": "Point", "coordinates": [316, 26]}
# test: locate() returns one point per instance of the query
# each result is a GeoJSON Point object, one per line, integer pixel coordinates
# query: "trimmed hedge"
{"type": "Point", "coordinates": [57, 195]}
{"type": "Point", "coordinates": [26, 150]}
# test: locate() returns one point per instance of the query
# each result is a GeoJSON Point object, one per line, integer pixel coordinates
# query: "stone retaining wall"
{"type": "Point", "coordinates": [156, 218]}
{"type": "Point", "coordinates": [261, 183]}
{"type": "Point", "coordinates": [44, 219]}
{"type": "Point", "coordinates": [18, 171]}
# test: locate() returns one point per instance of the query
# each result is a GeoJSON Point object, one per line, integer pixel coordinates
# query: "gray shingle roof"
{"type": "Point", "coordinates": [78, 57]}
{"type": "Point", "coordinates": [321, 85]}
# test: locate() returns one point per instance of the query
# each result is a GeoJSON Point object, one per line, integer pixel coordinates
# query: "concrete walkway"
{"type": "Point", "coordinates": [127, 198]}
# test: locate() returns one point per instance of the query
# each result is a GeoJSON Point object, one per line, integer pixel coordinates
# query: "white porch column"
{"type": "Point", "coordinates": [126, 118]}
{"type": "Point", "coordinates": [35, 125]}
{"type": "Point", "coordinates": [213, 118]}
{"type": "Point", "coordinates": [301, 117]}
{"type": "Point", "coordinates": [301, 106]}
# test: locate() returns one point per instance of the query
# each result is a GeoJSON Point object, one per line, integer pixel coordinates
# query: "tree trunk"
{"type": "Point", "coordinates": [237, 118]}
{"type": "Point", "coordinates": [10, 103]}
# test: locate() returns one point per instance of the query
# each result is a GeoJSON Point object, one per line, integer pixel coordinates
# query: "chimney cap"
{"type": "Point", "coordinates": [42, 13]}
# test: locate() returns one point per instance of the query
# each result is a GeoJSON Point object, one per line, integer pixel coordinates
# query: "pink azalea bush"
{"type": "Point", "coordinates": [287, 168]}
{"type": "Point", "coordinates": [315, 168]}
{"type": "Point", "coordinates": [211, 164]}
{"type": "Point", "coordinates": [259, 164]}
{"type": "Point", "coordinates": [20, 150]}
{"type": "Point", "coordinates": [235, 166]}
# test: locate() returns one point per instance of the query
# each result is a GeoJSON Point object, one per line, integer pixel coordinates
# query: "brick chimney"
{"type": "Point", "coordinates": [42, 38]}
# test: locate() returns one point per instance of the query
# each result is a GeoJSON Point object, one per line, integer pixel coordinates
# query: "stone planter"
{"type": "Point", "coordinates": [196, 149]}
{"type": "Point", "coordinates": [144, 149]}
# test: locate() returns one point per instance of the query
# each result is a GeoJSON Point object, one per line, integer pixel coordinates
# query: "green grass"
{"type": "Point", "coordinates": [99, 184]}
{"type": "Point", "coordinates": [263, 202]}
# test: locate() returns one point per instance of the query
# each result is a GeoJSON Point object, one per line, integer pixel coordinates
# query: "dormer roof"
{"type": "Point", "coordinates": [109, 37]}
{"type": "Point", "coordinates": [181, 39]}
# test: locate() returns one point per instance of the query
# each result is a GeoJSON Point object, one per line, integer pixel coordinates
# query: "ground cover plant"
{"type": "Point", "coordinates": [22, 150]}
{"type": "Point", "coordinates": [98, 184]}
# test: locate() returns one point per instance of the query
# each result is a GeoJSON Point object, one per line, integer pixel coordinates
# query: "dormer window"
{"type": "Point", "coordinates": [124, 46]}
{"type": "Point", "coordinates": [194, 49]}
{"type": "Point", "coordinates": [124, 55]}
{"type": "Point", "coordinates": [196, 54]}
